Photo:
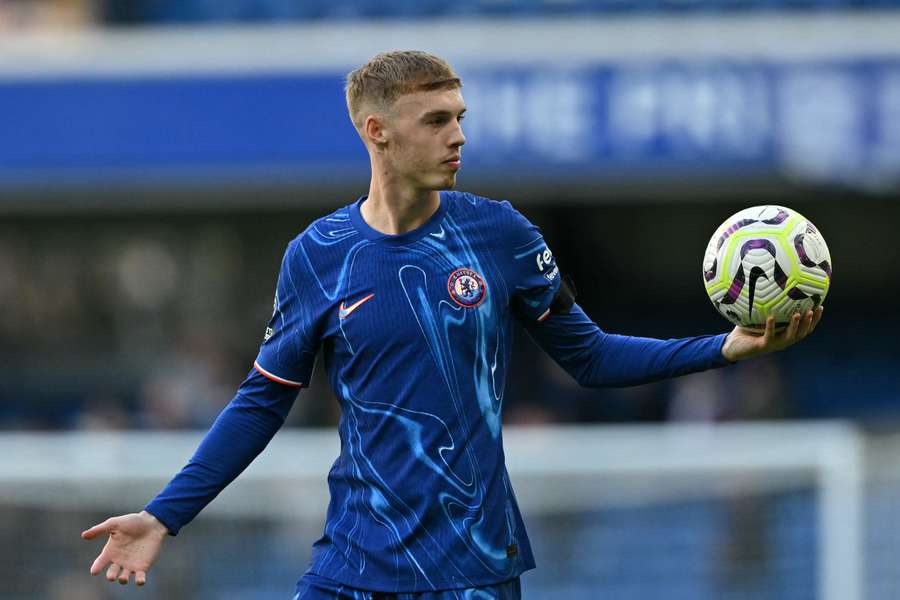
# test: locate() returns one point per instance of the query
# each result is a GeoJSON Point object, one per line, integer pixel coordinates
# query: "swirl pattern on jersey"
{"type": "Point", "coordinates": [420, 497]}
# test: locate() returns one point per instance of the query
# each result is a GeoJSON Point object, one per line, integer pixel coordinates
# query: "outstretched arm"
{"type": "Point", "coordinates": [595, 358]}
{"type": "Point", "coordinates": [238, 435]}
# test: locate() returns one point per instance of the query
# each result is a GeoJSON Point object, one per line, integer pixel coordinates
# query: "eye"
{"type": "Point", "coordinates": [460, 117]}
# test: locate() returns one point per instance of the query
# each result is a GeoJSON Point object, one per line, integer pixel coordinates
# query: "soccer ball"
{"type": "Point", "coordinates": [766, 260]}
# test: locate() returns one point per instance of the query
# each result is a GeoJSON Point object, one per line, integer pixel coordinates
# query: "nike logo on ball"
{"type": "Point", "coordinates": [755, 274]}
{"type": "Point", "coordinates": [346, 310]}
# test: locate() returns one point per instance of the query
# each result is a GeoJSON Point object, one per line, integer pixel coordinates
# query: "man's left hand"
{"type": "Point", "coordinates": [744, 343]}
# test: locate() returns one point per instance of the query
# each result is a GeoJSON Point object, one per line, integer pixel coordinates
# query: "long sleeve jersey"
{"type": "Point", "coordinates": [416, 330]}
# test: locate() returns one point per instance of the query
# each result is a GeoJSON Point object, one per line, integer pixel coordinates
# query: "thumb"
{"type": "Point", "coordinates": [104, 527]}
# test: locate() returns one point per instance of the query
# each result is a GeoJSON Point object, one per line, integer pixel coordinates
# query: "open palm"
{"type": "Point", "coordinates": [134, 543]}
{"type": "Point", "coordinates": [744, 343]}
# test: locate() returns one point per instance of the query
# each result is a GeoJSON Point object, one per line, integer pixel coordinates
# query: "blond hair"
{"type": "Point", "coordinates": [377, 84]}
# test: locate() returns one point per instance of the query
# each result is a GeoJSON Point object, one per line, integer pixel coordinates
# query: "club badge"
{"type": "Point", "coordinates": [466, 287]}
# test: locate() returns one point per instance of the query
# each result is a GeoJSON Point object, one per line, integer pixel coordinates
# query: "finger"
{"type": "Point", "coordinates": [140, 578]}
{"type": "Point", "coordinates": [817, 318]}
{"type": "Point", "coordinates": [112, 572]}
{"type": "Point", "coordinates": [124, 576]}
{"type": "Point", "coordinates": [805, 325]}
{"type": "Point", "coordinates": [105, 526]}
{"type": "Point", "coordinates": [99, 563]}
{"type": "Point", "coordinates": [790, 334]}
{"type": "Point", "coordinates": [769, 333]}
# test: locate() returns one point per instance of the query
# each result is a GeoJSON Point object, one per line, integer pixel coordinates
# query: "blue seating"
{"type": "Point", "coordinates": [217, 11]}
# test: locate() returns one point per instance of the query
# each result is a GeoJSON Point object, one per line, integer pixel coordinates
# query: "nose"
{"type": "Point", "coordinates": [457, 139]}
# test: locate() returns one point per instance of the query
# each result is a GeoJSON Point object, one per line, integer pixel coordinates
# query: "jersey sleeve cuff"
{"type": "Point", "coordinates": [163, 517]}
{"type": "Point", "coordinates": [718, 358]}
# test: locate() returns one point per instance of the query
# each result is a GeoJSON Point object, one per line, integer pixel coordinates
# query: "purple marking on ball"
{"type": "Point", "coordinates": [711, 273]}
{"type": "Point", "coordinates": [758, 245]}
{"type": "Point", "coordinates": [736, 286]}
{"type": "Point", "coordinates": [805, 260]}
{"type": "Point", "coordinates": [781, 277]}
{"type": "Point", "coordinates": [778, 219]}
{"type": "Point", "coordinates": [797, 294]}
{"type": "Point", "coordinates": [734, 227]}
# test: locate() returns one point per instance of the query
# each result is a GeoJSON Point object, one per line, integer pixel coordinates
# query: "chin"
{"type": "Point", "coordinates": [443, 182]}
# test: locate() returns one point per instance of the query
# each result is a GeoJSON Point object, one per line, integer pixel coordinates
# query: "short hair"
{"type": "Point", "coordinates": [387, 76]}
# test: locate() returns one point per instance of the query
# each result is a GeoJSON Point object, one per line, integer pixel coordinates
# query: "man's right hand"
{"type": "Point", "coordinates": [133, 544]}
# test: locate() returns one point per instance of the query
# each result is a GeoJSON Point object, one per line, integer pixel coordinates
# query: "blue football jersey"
{"type": "Point", "coordinates": [416, 332]}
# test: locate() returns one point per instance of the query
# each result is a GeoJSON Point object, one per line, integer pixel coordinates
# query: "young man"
{"type": "Point", "coordinates": [410, 294]}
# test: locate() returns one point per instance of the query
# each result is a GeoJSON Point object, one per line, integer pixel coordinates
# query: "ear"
{"type": "Point", "coordinates": [374, 131]}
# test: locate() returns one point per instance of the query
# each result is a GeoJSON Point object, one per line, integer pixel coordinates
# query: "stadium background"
{"type": "Point", "coordinates": [156, 157]}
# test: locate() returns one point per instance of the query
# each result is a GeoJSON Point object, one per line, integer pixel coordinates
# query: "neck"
{"type": "Point", "coordinates": [393, 208]}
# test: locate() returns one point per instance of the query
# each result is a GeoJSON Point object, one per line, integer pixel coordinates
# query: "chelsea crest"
{"type": "Point", "coordinates": [466, 287]}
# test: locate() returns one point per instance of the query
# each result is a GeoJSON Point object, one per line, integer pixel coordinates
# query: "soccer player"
{"type": "Point", "coordinates": [410, 294]}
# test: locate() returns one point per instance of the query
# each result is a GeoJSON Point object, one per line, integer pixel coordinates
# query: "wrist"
{"type": "Point", "coordinates": [727, 350]}
{"type": "Point", "coordinates": [155, 523]}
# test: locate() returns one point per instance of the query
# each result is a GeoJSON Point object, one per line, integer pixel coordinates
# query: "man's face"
{"type": "Point", "coordinates": [426, 138]}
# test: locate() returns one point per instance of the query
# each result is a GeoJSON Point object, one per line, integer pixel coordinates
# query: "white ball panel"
{"type": "Point", "coordinates": [815, 248]}
{"type": "Point", "coordinates": [787, 307]}
{"type": "Point", "coordinates": [811, 288]}
{"type": "Point", "coordinates": [766, 289]}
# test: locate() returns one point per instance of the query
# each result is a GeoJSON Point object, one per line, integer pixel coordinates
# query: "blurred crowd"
{"type": "Point", "coordinates": [129, 324]}
{"type": "Point", "coordinates": [56, 14]}
{"type": "Point", "coordinates": [152, 322]}
{"type": "Point", "coordinates": [30, 15]}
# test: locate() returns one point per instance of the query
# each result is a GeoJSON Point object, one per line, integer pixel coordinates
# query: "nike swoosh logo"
{"type": "Point", "coordinates": [440, 235]}
{"type": "Point", "coordinates": [755, 274]}
{"type": "Point", "coordinates": [346, 310]}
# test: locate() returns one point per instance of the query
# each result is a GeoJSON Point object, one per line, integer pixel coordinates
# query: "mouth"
{"type": "Point", "coordinates": [453, 162]}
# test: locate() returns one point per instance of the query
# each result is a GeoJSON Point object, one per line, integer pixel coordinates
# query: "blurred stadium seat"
{"type": "Point", "coordinates": [199, 11]}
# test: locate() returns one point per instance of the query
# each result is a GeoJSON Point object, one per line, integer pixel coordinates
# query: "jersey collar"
{"type": "Point", "coordinates": [432, 224]}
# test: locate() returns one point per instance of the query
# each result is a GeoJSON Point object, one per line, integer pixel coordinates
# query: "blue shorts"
{"type": "Point", "coordinates": [315, 587]}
